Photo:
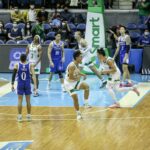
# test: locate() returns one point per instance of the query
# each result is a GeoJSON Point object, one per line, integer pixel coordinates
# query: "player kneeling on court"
{"type": "Point", "coordinates": [113, 82]}
{"type": "Point", "coordinates": [23, 70]}
{"type": "Point", "coordinates": [72, 82]}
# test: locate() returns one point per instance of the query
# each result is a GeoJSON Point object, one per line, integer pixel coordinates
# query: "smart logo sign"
{"type": "Point", "coordinates": [14, 56]}
{"type": "Point", "coordinates": [95, 31]}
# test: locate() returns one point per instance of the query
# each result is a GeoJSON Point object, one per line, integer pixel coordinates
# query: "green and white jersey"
{"type": "Point", "coordinates": [33, 53]}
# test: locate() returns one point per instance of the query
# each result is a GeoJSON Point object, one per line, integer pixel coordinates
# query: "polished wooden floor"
{"type": "Point", "coordinates": [3, 83]}
{"type": "Point", "coordinates": [54, 128]}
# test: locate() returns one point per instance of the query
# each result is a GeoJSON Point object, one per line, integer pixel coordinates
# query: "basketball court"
{"type": "Point", "coordinates": [54, 124]}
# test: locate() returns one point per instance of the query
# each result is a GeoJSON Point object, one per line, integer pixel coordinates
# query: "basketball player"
{"type": "Point", "coordinates": [72, 82]}
{"type": "Point", "coordinates": [123, 48]}
{"type": "Point", "coordinates": [85, 50]}
{"type": "Point", "coordinates": [23, 70]}
{"type": "Point", "coordinates": [56, 58]}
{"type": "Point", "coordinates": [113, 83]}
{"type": "Point", "coordinates": [34, 51]}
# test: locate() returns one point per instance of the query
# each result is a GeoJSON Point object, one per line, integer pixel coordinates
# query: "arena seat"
{"type": "Point", "coordinates": [50, 36]}
{"type": "Point", "coordinates": [142, 26]}
{"type": "Point", "coordinates": [131, 26]}
{"type": "Point", "coordinates": [47, 42]}
{"type": "Point", "coordinates": [23, 42]}
{"type": "Point", "coordinates": [72, 27]}
{"type": "Point", "coordinates": [81, 27]}
{"type": "Point", "coordinates": [11, 42]}
{"type": "Point", "coordinates": [21, 25]}
{"type": "Point", "coordinates": [1, 42]}
{"type": "Point", "coordinates": [8, 26]}
{"type": "Point", "coordinates": [134, 36]}
{"type": "Point", "coordinates": [46, 26]}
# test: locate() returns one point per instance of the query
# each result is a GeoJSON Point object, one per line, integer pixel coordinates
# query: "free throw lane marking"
{"type": "Point", "coordinates": [131, 99]}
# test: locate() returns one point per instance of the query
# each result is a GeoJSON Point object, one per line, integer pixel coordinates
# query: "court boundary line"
{"type": "Point", "coordinates": [6, 114]}
{"type": "Point", "coordinates": [141, 99]}
{"type": "Point", "coordinates": [84, 119]}
{"type": "Point", "coordinates": [18, 141]}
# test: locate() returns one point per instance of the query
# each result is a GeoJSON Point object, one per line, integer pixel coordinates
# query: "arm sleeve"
{"type": "Point", "coordinates": [13, 76]}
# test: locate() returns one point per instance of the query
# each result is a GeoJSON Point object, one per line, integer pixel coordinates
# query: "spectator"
{"type": "Point", "coordinates": [42, 15]}
{"type": "Point", "coordinates": [114, 34]}
{"type": "Point", "coordinates": [65, 15]}
{"type": "Point", "coordinates": [38, 29]}
{"type": "Point", "coordinates": [56, 23]}
{"type": "Point", "coordinates": [3, 32]}
{"type": "Point", "coordinates": [147, 22]}
{"type": "Point", "coordinates": [144, 39]}
{"type": "Point", "coordinates": [77, 18]}
{"type": "Point", "coordinates": [134, 4]}
{"type": "Point", "coordinates": [108, 4]}
{"type": "Point", "coordinates": [74, 2]}
{"type": "Point", "coordinates": [16, 15]}
{"type": "Point", "coordinates": [12, 3]}
{"type": "Point", "coordinates": [1, 4]}
{"type": "Point", "coordinates": [51, 3]}
{"type": "Point", "coordinates": [32, 15]}
{"type": "Point", "coordinates": [5, 3]}
{"type": "Point", "coordinates": [63, 3]}
{"type": "Point", "coordinates": [15, 33]}
{"type": "Point", "coordinates": [27, 35]}
{"type": "Point", "coordinates": [84, 4]}
{"type": "Point", "coordinates": [66, 33]}
{"type": "Point", "coordinates": [144, 10]}
{"type": "Point", "coordinates": [54, 15]}
{"type": "Point", "coordinates": [23, 3]}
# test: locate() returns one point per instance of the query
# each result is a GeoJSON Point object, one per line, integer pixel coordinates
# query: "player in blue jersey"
{"type": "Point", "coordinates": [56, 58]}
{"type": "Point", "coordinates": [23, 71]}
{"type": "Point", "coordinates": [123, 48]}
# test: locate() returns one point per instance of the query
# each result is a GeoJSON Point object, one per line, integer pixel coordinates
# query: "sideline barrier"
{"type": "Point", "coordinates": [10, 54]}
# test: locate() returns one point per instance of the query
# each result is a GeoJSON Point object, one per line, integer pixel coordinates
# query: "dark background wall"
{"type": "Point", "coordinates": [10, 55]}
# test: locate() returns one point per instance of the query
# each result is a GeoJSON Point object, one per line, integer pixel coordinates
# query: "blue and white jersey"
{"type": "Point", "coordinates": [23, 73]}
{"type": "Point", "coordinates": [122, 44]}
{"type": "Point", "coordinates": [144, 40]}
{"type": "Point", "coordinates": [56, 53]}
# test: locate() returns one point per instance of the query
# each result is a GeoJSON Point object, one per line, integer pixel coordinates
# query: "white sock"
{"type": "Point", "coordinates": [28, 115]}
{"type": "Point", "coordinates": [86, 101]}
{"type": "Point", "coordinates": [19, 115]}
{"type": "Point", "coordinates": [78, 112]}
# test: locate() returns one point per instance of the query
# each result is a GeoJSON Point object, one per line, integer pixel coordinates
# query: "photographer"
{"type": "Point", "coordinates": [113, 36]}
